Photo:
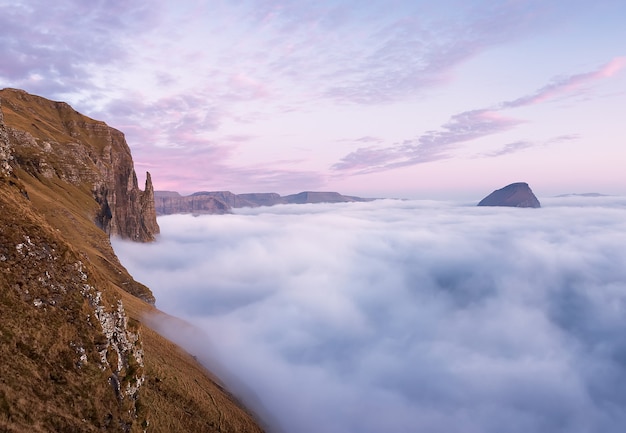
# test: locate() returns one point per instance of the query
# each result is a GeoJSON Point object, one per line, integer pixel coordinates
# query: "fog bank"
{"type": "Point", "coordinates": [405, 316]}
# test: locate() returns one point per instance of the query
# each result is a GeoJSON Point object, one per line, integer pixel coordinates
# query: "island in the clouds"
{"type": "Point", "coordinates": [517, 194]}
{"type": "Point", "coordinates": [221, 202]}
{"type": "Point", "coordinates": [585, 194]}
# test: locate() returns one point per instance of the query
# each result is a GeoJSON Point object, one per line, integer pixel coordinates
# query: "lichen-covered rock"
{"type": "Point", "coordinates": [5, 148]}
{"type": "Point", "coordinates": [65, 336]}
{"type": "Point", "coordinates": [120, 351]}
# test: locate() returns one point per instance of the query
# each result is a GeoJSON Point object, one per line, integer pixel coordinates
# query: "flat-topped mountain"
{"type": "Point", "coordinates": [584, 194]}
{"type": "Point", "coordinates": [220, 202]}
{"type": "Point", "coordinates": [516, 194]}
{"type": "Point", "coordinates": [321, 197]}
{"type": "Point", "coordinates": [75, 352]}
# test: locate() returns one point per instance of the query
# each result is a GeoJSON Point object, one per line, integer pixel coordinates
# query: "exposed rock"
{"type": "Point", "coordinates": [516, 194]}
{"type": "Point", "coordinates": [220, 202]}
{"type": "Point", "coordinates": [5, 148]}
{"type": "Point", "coordinates": [60, 328]}
{"type": "Point", "coordinates": [51, 140]}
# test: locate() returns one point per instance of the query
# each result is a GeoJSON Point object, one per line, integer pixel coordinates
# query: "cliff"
{"type": "Point", "coordinates": [52, 141]}
{"type": "Point", "coordinates": [220, 202]}
{"type": "Point", "coordinates": [516, 194]}
{"type": "Point", "coordinates": [75, 353]}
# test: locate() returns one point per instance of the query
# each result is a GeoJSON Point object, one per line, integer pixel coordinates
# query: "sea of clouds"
{"type": "Point", "coordinates": [404, 316]}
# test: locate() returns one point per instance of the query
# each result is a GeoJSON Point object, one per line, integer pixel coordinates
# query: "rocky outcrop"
{"type": "Point", "coordinates": [50, 140]}
{"type": "Point", "coordinates": [5, 148]}
{"type": "Point", "coordinates": [220, 202]}
{"type": "Point", "coordinates": [516, 194]}
{"type": "Point", "coordinates": [65, 336]}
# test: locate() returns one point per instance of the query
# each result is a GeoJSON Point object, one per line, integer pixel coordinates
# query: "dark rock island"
{"type": "Point", "coordinates": [516, 194]}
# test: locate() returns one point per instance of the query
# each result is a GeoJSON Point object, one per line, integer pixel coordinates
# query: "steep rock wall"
{"type": "Point", "coordinates": [50, 140]}
{"type": "Point", "coordinates": [75, 354]}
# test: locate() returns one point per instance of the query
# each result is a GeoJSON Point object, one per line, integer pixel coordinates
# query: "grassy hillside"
{"type": "Point", "coordinates": [75, 353]}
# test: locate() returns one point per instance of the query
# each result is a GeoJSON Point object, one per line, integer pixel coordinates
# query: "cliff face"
{"type": "Point", "coordinates": [64, 338]}
{"type": "Point", "coordinates": [220, 202]}
{"type": "Point", "coordinates": [75, 354]}
{"type": "Point", "coordinates": [50, 140]}
{"type": "Point", "coordinates": [516, 194]}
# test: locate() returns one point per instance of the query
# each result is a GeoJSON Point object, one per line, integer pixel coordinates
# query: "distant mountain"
{"type": "Point", "coordinates": [321, 197]}
{"type": "Point", "coordinates": [585, 194]}
{"type": "Point", "coordinates": [516, 194]}
{"type": "Point", "coordinates": [220, 202]}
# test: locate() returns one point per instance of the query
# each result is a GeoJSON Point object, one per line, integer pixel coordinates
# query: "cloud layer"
{"type": "Point", "coordinates": [405, 315]}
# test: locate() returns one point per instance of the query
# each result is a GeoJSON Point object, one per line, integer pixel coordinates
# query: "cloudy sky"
{"type": "Point", "coordinates": [388, 98]}
{"type": "Point", "coordinates": [404, 316]}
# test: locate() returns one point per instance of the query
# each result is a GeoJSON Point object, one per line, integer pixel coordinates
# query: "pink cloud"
{"type": "Point", "coordinates": [187, 171]}
{"type": "Point", "coordinates": [430, 146]}
{"type": "Point", "coordinates": [467, 126]}
{"type": "Point", "coordinates": [612, 68]}
{"type": "Point", "coordinates": [244, 86]}
{"type": "Point", "coordinates": [563, 86]}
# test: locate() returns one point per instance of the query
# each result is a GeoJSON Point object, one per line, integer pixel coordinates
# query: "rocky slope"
{"type": "Point", "coordinates": [75, 352]}
{"type": "Point", "coordinates": [516, 194]}
{"type": "Point", "coordinates": [220, 202]}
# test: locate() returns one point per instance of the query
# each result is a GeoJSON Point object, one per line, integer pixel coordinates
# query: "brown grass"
{"type": "Point", "coordinates": [43, 316]}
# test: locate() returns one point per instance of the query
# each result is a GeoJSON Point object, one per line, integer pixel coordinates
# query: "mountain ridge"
{"type": "Point", "coordinates": [221, 202]}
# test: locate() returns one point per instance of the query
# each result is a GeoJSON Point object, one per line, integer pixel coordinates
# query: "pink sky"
{"type": "Point", "coordinates": [383, 98]}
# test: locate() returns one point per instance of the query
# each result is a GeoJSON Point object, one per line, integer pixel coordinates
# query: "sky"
{"type": "Point", "coordinates": [362, 317]}
{"type": "Point", "coordinates": [393, 98]}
